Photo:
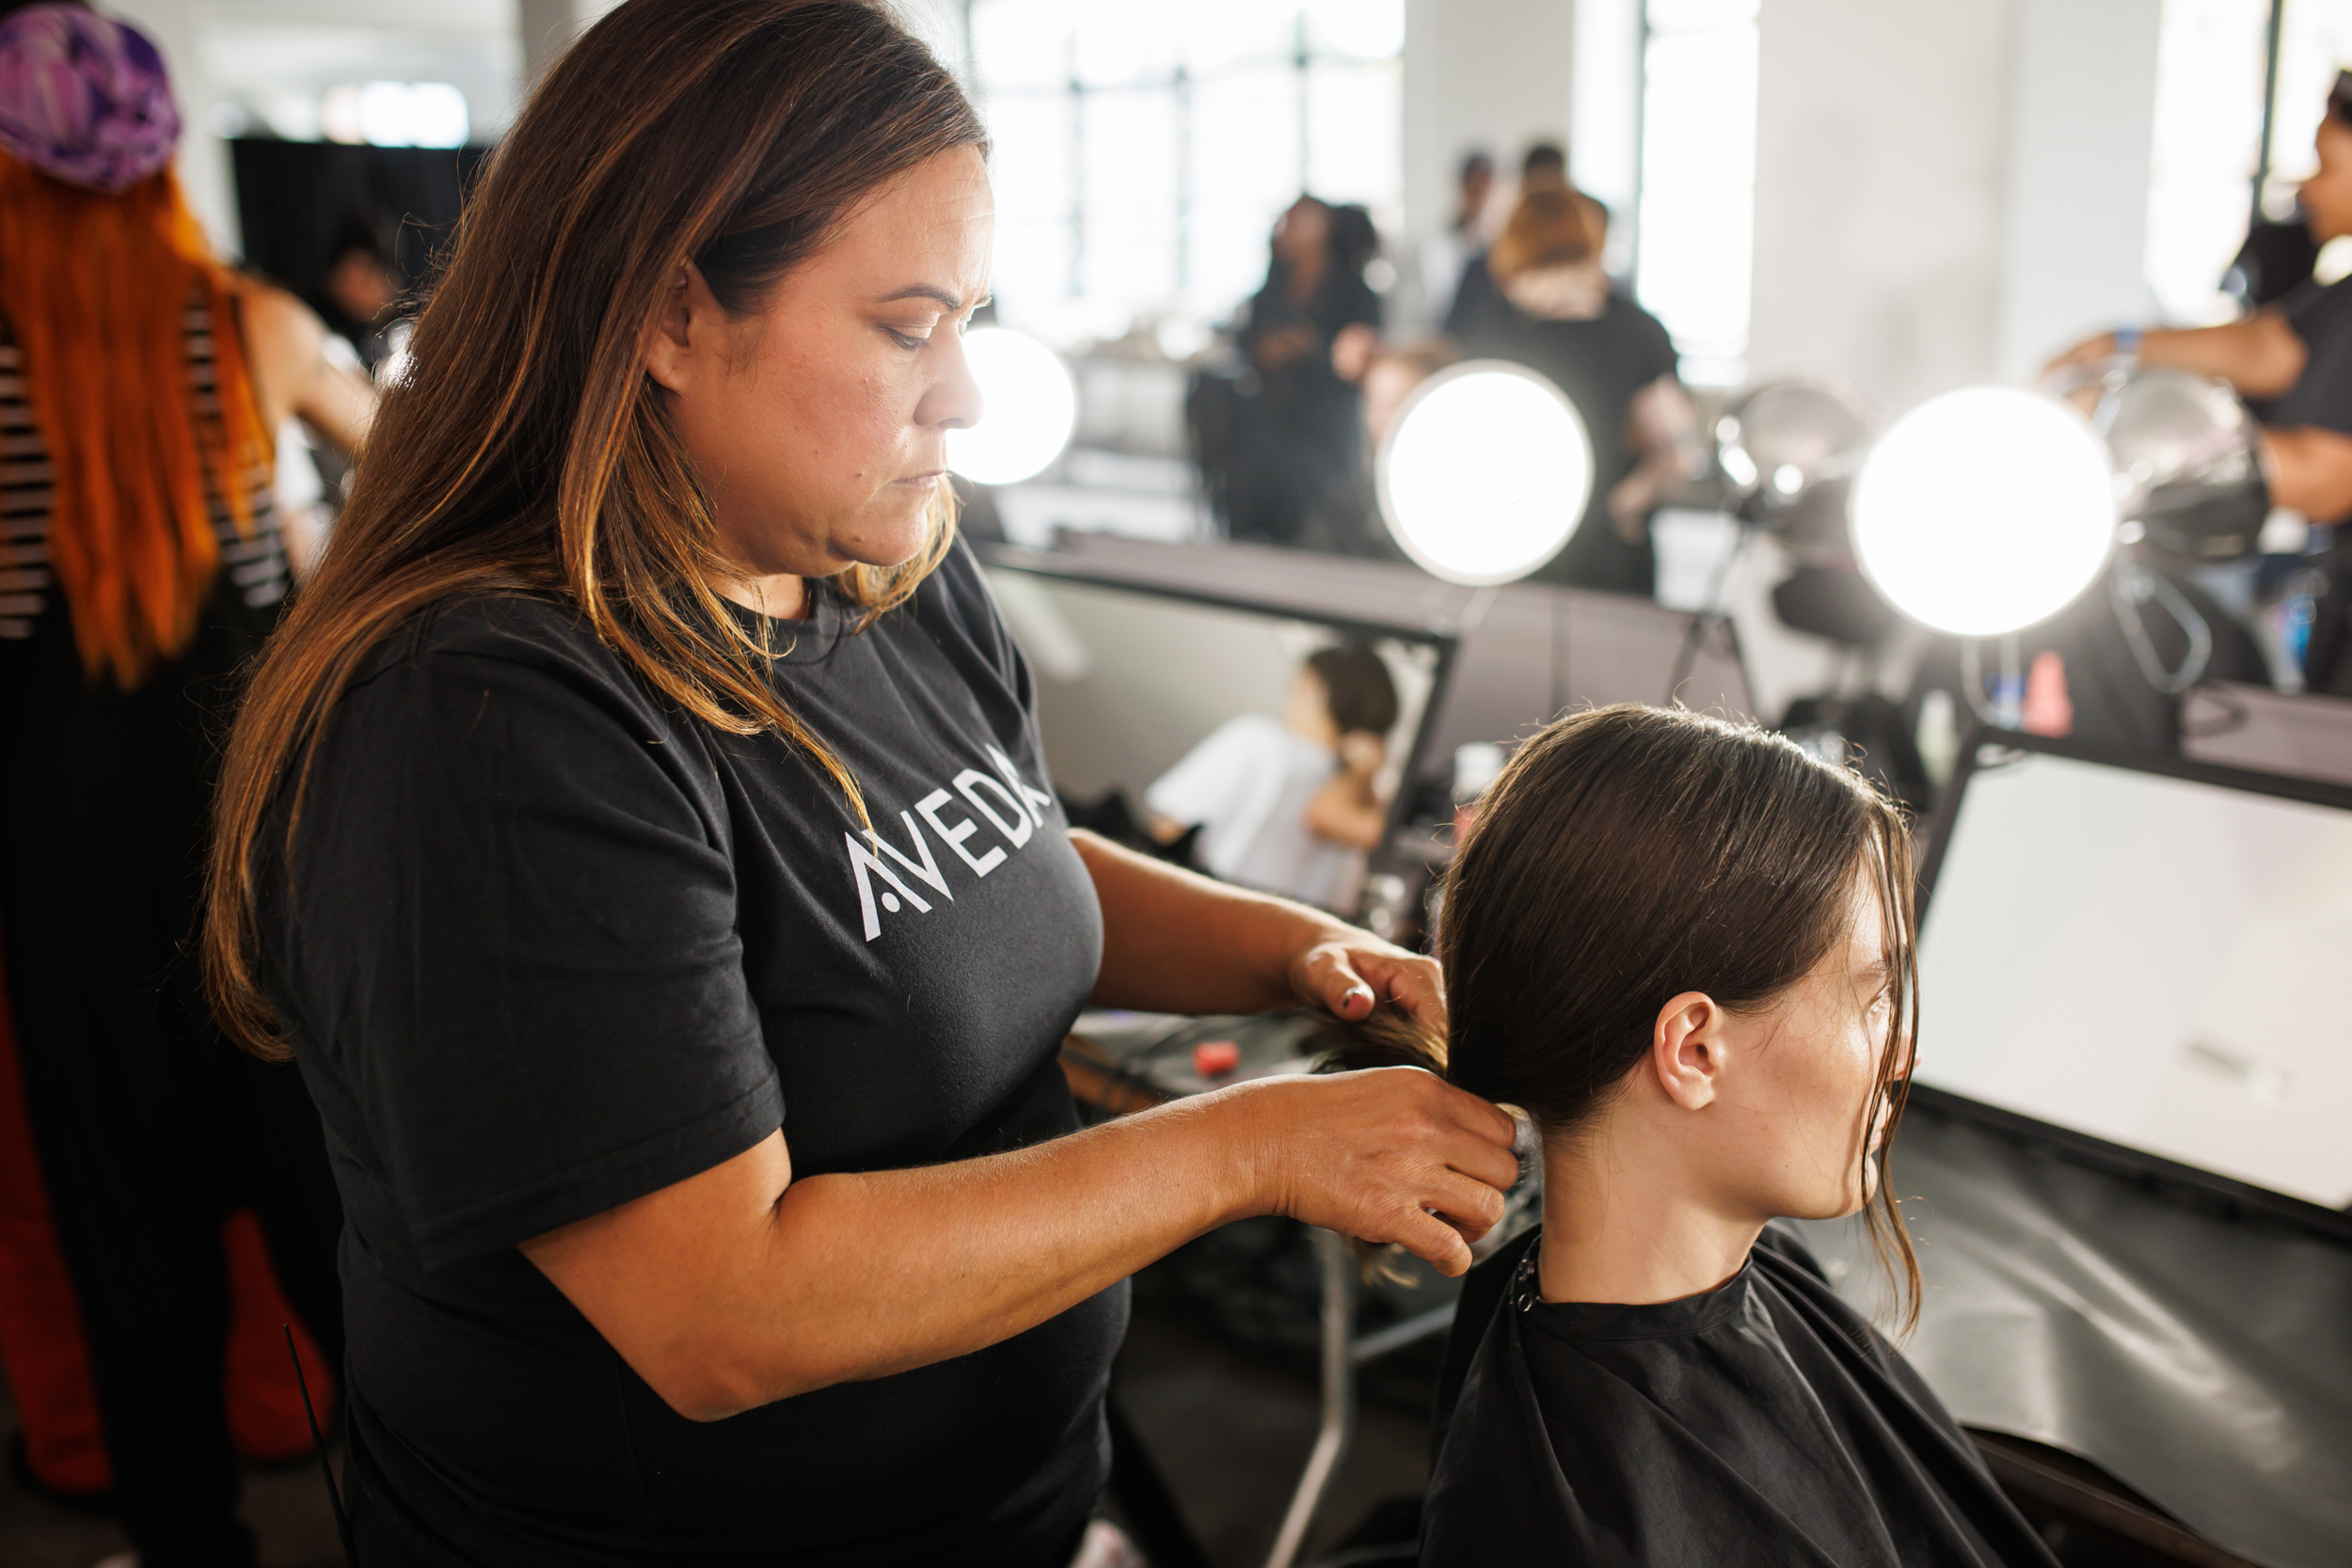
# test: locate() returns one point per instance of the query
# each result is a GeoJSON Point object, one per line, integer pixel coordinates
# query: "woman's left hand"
{"type": "Point", "coordinates": [1174, 942]}
{"type": "Point", "coordinates": [1349, 972]}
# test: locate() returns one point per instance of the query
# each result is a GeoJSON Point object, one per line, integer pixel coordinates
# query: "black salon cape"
{"type": "Point", "coordinates": [1763, 1423]}
{"type": "Point", "coordinates": [551, 944]}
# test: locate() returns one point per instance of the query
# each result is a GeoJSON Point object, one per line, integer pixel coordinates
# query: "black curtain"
{"type": "Point", "coordinates": [293, 197]}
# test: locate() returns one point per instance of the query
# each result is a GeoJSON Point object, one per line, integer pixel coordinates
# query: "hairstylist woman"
{"type": "Point", "coordinates": [143, 564]}
{"type": "Point", "coordinates": [713, 1191]}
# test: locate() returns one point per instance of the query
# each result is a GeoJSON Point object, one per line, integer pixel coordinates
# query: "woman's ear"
{"type": "Point", "coordinates": [1686, 1052]}
{"type": "Point", "coordinates": [670, 343]}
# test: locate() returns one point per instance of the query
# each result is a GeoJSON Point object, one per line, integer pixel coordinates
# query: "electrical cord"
{"type": "Point", "coordinates": [2132, 585]}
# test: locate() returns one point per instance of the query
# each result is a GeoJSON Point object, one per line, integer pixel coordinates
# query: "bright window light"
{"type": "Point", "coordinates": [2314, 42]}
{"type": "Point", "coordinates": [1985, 511]}
{"type": "Point", "coordinates": [1030, 406]}
{"type": "Point", "coordinates": [1697, 242]}
{"type": "Point", "coordinates": [395, 113]}
{"type": "Point", "coordinates": [1142, 154]}
{"type": "Point", "coordinates": [2211, 58]}
{"type": "Point", "coordinates": [1486, 473]}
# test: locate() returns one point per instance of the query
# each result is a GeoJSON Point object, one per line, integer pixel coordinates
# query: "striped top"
{"type": "Point", "coordinates": [256, 566]}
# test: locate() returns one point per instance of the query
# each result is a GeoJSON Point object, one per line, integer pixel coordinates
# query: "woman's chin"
{"type": "Point", "coordinates": [891, 538]}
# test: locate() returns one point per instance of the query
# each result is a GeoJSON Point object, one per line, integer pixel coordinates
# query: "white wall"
{"type": "Point", "coordinates": [1881, 152]}
{"type": "Point", "coordinates": [202, 163]}
{"type": "Point", "coordinates": [1605, 135]}
{"type": "Point", "coordinates": [1948, 191]}
{"type": "Point", "coordinates": [2082, 127]}
{"type": "Point", "coordinates": [549, 26]}
{"type": "Point", "coordinates": [1491, 73]}
{"type": "Point", "coordinates": [292, 41]}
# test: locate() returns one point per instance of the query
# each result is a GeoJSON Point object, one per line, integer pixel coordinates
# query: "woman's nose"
{"type": "Point", "coordinates": [954, 401]}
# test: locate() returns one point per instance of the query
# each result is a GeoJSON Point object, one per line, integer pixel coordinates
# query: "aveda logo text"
{"type": "Point", "coordinates": [954, 814]}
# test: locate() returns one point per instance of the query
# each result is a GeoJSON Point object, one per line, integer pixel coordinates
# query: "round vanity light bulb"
{"type": "Point", "coordinates": [1484, 473]}
{"type": "Point", "coordinates": [1985, 511]}
{"type": "Point", "coordinates": [1030, 405]}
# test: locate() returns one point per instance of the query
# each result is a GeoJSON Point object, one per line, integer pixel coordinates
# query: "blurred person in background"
{"type": "Point", "coordinates": [140, 383]}
{"type": "Point", "coordinates": [2291, 362]}
{"type": "Point", "coordinates": [1544, 166]}
{"type": "Point", "coordinates": [1391, 377]}
{"type": "Point", "coordinates": [1291, 806]}
{"type": "Point", "coordinates": [1433, 271]}
{"type": "Point", "coordinates": [360, 290]}
{"type": "Point", "coordinates": [1296, 443]}
{"type": "Point", "coordinates": [1388, 375]}
{"type": "Point", "coordinates": [1554, 311]}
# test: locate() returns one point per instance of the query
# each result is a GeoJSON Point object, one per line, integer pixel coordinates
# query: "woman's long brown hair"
{"type": "Point", "coordinates": [1626, 855]}
{"type": "Point", "coordinates": [97, 290]}
{"type": "Point", "coordinates": [526, 452]}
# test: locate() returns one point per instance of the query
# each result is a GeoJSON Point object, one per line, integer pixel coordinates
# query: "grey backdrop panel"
{"type": "Point", "coordinates": [2204, 1359]}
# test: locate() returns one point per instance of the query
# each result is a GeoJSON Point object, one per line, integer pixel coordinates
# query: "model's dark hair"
{"type": "Point", "coordinates": [527, 450]}
{"type": "Point", "coordinates": [1360, 691]}
{"type": "Point", "coordinates": [1628, 854]}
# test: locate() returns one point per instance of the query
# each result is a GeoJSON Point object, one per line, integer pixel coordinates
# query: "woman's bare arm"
{"type": "Point", "coordinates": [741, 1286]}
{"type": "Point", "coordinates": [1348, 809]}
{"type": "Point", "coordinates": [2309, 470]}
{"type": "Point", "coordinates": [293, 376]}
{"type": "Point", "coordinates": [1176, 942]}
{"type": "Point", "coordinates": [1662, 430]}
{"type": "Point", "coordinates": [2260, 355]}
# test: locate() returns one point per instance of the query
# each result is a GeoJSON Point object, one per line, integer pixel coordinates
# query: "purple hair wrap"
{"type": "Point", "coordinates": [85, 99]}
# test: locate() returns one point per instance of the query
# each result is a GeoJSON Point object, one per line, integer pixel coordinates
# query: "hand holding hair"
{"type": "Point", "coordinates": [1349, 972]}
{"type": "Point", "coordinates": [1388, 1155]}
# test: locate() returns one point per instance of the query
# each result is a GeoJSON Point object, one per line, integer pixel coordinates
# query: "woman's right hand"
{"type": "Point", "coordinates": [1387, 1155]}
{"type": "Point", "coordinates": [2089, 354]}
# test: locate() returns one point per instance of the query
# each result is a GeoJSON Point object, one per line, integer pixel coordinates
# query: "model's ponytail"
{"type": "Point", "coordinates": [1388, 1037]}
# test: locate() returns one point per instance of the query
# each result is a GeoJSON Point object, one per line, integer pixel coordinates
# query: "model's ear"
{"type": "Point", "coordinates": [1686, 1052]}
{"type": "Point", "coordinates": [670, 341]}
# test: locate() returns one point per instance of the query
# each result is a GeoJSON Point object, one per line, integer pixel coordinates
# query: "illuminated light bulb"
{"type": "Point", "coordinates": [1029, 407]}
{"type": "Point", "coordinates": [1985, 511]}
{"type": "Point", "coordinates": [1484, 473]}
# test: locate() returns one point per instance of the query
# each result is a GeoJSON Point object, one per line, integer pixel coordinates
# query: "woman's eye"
{"type": "Point", "coordinates": [905, 339]}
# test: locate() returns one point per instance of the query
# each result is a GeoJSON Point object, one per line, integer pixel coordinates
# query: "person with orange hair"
{"type": "Point", "coordinates": [1553, 309]}
{"type": "Point", "coordinates": [142, 564]}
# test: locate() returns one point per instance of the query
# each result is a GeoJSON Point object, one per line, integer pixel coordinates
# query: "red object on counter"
{"type": "Point", "coordinates": [1215, 1058]}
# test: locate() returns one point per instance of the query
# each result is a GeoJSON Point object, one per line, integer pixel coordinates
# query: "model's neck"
{"type": "Point", "coordinates": [1621, 1226]}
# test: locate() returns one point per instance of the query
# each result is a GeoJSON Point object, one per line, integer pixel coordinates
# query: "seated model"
{"type": "Point", "coordinates": [1685, 949]}
{"type": "Point", "coordinates": [1290, 805]}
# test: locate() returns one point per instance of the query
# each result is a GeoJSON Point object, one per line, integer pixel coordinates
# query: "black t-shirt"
{"type": "Point", "coordinates": [1600, 364]}
{"type": "Point", "coordinates": [2321, 315]}
{"type": "Point", "coordinates": [551, 945]}
{"type": "Point", "coordinates": [1763, 1422]}
{"type": "Point", "coordinates": [1304, 395]}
